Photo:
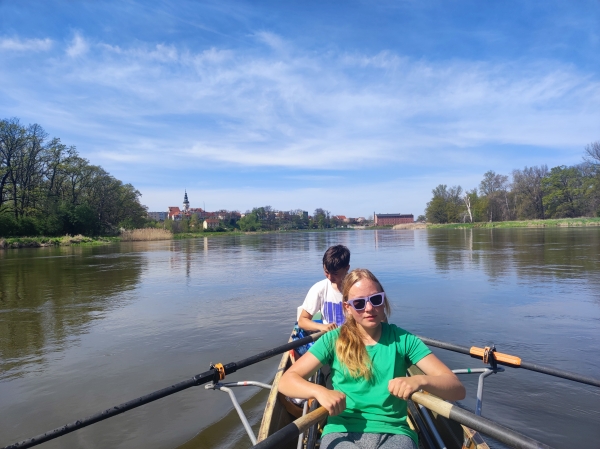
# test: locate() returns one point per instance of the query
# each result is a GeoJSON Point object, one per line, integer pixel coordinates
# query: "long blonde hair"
{"type": "Point", "coordinates": [350, 348]}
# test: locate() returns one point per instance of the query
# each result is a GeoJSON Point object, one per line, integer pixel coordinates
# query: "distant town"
{"type": "Point", "coordinates": [186, 218]}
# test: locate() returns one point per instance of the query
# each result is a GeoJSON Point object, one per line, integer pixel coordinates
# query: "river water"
{"type": "Point", "coordinates": [86, 328]}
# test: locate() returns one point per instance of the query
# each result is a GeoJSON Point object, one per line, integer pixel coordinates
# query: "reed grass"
{"type": "Point", "coordinates": [146, 234]}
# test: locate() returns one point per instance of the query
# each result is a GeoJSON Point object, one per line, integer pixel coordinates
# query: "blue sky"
{"type": "Point", "coordinates": [350, 106]}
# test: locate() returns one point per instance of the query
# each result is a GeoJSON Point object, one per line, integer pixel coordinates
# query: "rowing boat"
{"type": "Point", "coordinates": [430, 426]}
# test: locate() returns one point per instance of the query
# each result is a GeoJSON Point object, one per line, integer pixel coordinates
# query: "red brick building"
{"type": "Point", "coordinates": [393, 219]}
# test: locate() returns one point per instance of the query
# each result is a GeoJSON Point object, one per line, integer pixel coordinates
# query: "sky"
{"type": "Point", "coordinates": [351, 106]}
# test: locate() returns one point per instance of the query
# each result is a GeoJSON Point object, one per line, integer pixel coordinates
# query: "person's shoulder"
{"type": "Point", "coordinates": [396, 332]}
{"type": "Point", "coordinates": [321, 285]}
{"type": "Point", "coordinates": [328, 339]}
{"type": "Point", "coordinates": [331, 336]}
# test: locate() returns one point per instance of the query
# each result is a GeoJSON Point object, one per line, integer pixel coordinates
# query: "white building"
{"type": "Point", "coordinates": [158, 216]}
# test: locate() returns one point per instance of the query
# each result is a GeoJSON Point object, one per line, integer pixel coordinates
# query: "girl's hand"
{"type": "Point", "coordinates": [333, 401]}
{"type": "Point", "coordinates": [404, 387]}
{"type": "Point", "coordinates": [327, 327]}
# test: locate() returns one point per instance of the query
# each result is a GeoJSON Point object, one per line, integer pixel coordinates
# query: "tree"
{"type": "Point", "coordinates": [321, 218]}
{"type": "Point", "coordinates": [593, 159]}
{"type": "Point", "coordinates": [47, 187]}
{"type": "Point", "coordinates": [565, 190]}
{"type": "Point", "coordinates": [436, 210]}
{"type": "Point", "coordinates": [249, 222]}
{"type": "Point", "coordinates": [528, 191]}
{"type": "Point", "coordinates": [495, 187]}
{"type": "Point", "coordinates": [467, 200]}
{"type": "Point", "coordinates": [446, 206]}
{"type": "Point", "coordinates": [593, 152]}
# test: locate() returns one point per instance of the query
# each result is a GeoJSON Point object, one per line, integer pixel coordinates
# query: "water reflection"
{"type": "Point", "coordinates": [528, 253]}
{"type": "Point", "coordinates": [47, 301]}
{"type": "Point", "coordinates": [387, 239]}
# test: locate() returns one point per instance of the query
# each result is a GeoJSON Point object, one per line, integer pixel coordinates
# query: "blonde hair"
{"type": "Point", "coordinates": [350, 348]}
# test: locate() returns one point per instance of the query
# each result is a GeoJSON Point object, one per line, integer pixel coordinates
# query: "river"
{"type": "Point", "coordinates": [85, 328]}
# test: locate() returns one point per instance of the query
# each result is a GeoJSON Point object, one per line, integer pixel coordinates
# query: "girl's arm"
{"type": "Point", "coordinates": [438, 380]}
{"type": "Point", "coordinates": [293, 383]}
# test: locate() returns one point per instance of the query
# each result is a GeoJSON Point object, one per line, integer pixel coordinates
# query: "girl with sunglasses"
{"type": "Point", "coordinates": [369, 360]}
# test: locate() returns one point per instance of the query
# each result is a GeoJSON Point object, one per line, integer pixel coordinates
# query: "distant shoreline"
{"type": "Point", "coordinates": [79, 240]}
{"type": "Point", "coordinates": [549, 223]}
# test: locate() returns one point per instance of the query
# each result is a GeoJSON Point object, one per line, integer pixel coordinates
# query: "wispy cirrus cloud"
{"type": "Point", "coordinates": [17, 44]}
{"type": "Point", "coordinates": [274, 105]}
{"type": "Point", "coordinates": [320, 110]}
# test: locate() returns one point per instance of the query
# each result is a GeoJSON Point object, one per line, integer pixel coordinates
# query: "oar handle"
{"type": "Point", "coordinates": [292, 430]}
{"type": "Point", "coordinates": [501, 433]}
{"type": "Point", "coordinates": [308, 420]}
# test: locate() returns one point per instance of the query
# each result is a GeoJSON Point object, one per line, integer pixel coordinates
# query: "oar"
{"type": "Point", "coordinates": [511, 360]}
{"type": "Point", "coordinates": [501, 433]}
{"type": "Point", "coordinates": [292, 430]}
{"type": "Point", "coordinates": [216, 373]}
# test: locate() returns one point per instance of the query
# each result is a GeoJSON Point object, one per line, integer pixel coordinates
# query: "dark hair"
{"type": "Point", "coordinates": [336, 257]}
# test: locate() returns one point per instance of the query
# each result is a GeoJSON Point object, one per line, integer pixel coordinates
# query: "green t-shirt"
{"type": "Point", "coordinates": [370, 408]}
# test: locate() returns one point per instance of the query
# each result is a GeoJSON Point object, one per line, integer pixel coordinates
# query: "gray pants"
{"type": "Point", "coordinates": [355, 440]}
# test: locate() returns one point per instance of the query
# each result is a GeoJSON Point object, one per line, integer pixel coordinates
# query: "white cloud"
{"type": "Point", "coordinates": [78, 46]}
{"type": "Point", "coordinates": [17, 44]}
{"type": "Point", "coordinates": [290, 108]}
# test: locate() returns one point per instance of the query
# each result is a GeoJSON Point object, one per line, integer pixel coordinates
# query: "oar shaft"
{"type": "Point", "coordinates": [525, 365]}
{"type": "Point", "coordinates": [503, 434]}
{"type": "Point", "coordinates": [194, 381]}
{"type": "Point", "coordinates": [293, 430]}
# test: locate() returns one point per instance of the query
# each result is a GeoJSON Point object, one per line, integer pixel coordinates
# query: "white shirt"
{"type": "Point", "coordinates": [323, 297]}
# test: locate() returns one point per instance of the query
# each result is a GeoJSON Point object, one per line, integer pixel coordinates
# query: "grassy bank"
{"type": "Point", "coordinates": [67, 240]}
{"type": "Point", "coordinates": [559, 222]}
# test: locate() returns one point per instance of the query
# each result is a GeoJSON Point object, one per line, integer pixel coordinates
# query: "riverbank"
{"type": "Point", "coordinates": [137, 235]}
{"type": "Point", "coordinates": [151, 234]}
{"type": "Point", "coordinates": [67, 240]}
{"type": "Point", "coordinates": [550, 223]}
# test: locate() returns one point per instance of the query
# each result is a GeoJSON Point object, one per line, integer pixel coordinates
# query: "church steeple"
{"type": "Point", "coordinates": [186, 203]}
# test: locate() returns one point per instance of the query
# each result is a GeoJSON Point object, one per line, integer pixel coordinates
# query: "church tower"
{"type": "Point", "coordinates": [186, 203]}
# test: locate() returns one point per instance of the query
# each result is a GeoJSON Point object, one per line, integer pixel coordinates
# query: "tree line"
{"type": "Point", "coordinates": [264, 218]}
{"type": "Point", "coordinates": [531, 193]}
{"type": "Point", "coordinates": [47, 188]}
{"type": "Point", "coordinates": [268, 219]}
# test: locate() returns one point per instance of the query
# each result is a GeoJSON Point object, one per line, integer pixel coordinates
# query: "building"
{"type": "Point", "coordinates": [177, 214]}
{"type": "Point", "coordinates": [392, 219]}
{"type": "Point", "coordinates": [158, 216]}
{"type": "Point", "coordinates": [174, 213]}
{"type": "Point", "coordinates": [210, 223]}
